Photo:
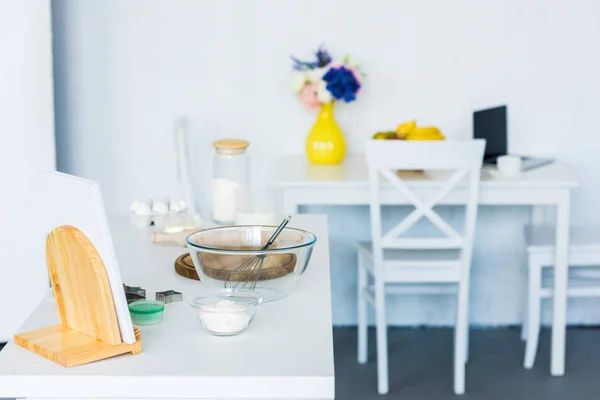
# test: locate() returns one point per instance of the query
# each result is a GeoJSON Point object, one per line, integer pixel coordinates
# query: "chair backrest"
{"type": "Point", "coordinates": [461, 159]}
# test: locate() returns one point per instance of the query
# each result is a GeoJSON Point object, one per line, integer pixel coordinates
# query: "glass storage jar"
{"type": "Point", "coordinates": [230, 192]}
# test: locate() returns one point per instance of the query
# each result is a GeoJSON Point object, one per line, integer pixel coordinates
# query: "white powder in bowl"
{"type": "Point", "coordinates": [224, 318]}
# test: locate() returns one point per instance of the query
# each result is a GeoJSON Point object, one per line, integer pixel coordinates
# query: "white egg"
{"type": "Point", "coordinates": [177, 205]}
{"type": "Point", "coordinates": [134, 205]}
{"type": "Point", "coordinates": [143, 208]}
{"type": "Point", "coordinates": [160, 207]}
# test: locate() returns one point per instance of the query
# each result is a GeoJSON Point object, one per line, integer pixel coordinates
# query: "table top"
{"type": "Point", "coordinates": [296, 171]}
{"type": "Point", "coordinates": [286, 353]}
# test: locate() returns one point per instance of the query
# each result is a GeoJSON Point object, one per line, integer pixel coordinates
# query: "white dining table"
{"type": "Point", "coordinates": [286, 353]}
{"type": "Point", "coordinates": [300, 183]}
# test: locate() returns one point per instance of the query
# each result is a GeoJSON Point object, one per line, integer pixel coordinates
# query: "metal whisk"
{"type": "Point", "coordinates": [252, 267]}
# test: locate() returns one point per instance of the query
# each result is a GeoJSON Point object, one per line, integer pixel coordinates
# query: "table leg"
{"type": "Point", "coordinates": [563, 209]}
{"type": "Point", "coordinates": [537, 217]}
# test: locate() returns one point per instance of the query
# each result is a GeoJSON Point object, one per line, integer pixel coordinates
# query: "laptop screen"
{"type": "Point", "coordinates": [490, 125]}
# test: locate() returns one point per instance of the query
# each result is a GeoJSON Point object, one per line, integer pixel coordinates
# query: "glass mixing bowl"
{"type": "Point", "coordinates": [230, 257]}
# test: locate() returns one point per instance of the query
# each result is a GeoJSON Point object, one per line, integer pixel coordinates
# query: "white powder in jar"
{"type": "Point", "coordinates": [227, 199]}
{"type": "Point", "coordinates": [225, 318]}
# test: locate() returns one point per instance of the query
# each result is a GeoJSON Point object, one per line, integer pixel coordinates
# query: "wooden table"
{"type": "Point", "coordinates": [300, 183]}
{"type": "Point", "coordinates": [287, 353]}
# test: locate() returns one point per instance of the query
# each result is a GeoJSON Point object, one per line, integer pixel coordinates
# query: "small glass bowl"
{"type": "Point", "coordinates": [226, 312]}
{"type": "Point", "coordinates": [146, 312]}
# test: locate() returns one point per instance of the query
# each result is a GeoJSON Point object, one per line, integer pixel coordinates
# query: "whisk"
{"type": "Point", "coordinates": [252, 267]}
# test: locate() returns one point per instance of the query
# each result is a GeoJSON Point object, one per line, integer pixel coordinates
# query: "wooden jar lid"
{"type": "Point", "coordinates": [231, 144]}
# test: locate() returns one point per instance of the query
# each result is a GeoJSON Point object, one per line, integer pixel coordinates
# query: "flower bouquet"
{"type": "Point", "coordinates": [319, 84]}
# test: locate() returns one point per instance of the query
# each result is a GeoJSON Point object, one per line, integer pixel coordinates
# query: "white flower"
{"type": "Point", "coordinates": [323, 94]}
{"type": "Point", "coordinates": [350, 63]}
{"type": "Point", "coordinates": [315, 75]}
{"type": "Point", "coordinates": [298, 81]}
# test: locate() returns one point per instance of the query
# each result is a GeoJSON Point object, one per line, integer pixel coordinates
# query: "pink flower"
{"type": "Point", "coordinates": [308, 95]}
{"type": "Point", "coordinates": [358, 78]}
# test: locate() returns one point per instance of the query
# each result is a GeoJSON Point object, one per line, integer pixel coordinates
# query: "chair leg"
{"type": "Point", "coordinates": [525, 324]}
{"type": "Point", "coordinates": [467, 341]}
{"type": "Point", "coordinates": [467, 325]}
{"type": "Point", "coordinates": [461, 337]}
{"type": "Point", "coordinates": [534, 303]}
{"type": "Point", "coordinates": [525, 312]}
{"type": "Point", "coordinates": [363, 335]}
{"type": "Point", "coordinates": [382, 346]}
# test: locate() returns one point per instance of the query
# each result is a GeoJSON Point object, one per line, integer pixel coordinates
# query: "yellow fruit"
{"type": "Point", "coordinates": [410, 131]}
{"type": "Point", "coordinates": [389, 135]}
{"type": "Point", "coordinates": [426, 133]}
{"type": "Point", "coordinates": [404, 130]}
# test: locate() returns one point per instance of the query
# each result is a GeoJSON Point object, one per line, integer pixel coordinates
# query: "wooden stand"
{"type": "Point", "coordinates": [89, 328]}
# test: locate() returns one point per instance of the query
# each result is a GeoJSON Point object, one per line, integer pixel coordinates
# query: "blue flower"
{"type": "Point", "coordinates": [342, 84]}
{"type": "Point", "coordinates": [323, 59]}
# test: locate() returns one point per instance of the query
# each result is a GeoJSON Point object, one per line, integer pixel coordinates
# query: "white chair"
{"type": "Point", "coordinates": [419, 265]}
{"type": "Point", "coordinates": [584, 251]}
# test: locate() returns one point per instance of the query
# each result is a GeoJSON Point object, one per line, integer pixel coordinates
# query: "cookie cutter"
{"type": "Point", "coordinates": [169, 296]}
{"type": "Point", "coordinates": [134, 293]}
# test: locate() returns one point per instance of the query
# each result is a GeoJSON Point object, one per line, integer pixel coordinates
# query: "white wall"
{"type": "Point", "coordinates": [27, 143]}
{"type": "Point", "coordinates": [125, 69]}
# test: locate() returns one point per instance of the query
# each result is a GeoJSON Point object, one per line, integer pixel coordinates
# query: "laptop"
{"type": "Point", "coordinates": [490, 124]}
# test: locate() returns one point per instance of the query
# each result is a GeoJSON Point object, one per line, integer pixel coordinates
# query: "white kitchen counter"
{"type": "Point", "coordinates": [287, 353]}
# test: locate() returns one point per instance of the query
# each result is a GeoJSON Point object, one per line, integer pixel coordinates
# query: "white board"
{"type": "Point", "coordinates": [69, 200]}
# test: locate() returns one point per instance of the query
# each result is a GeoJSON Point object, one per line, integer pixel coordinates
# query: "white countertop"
{"type": "Point", "coordinates": [296, 171]}
{"type": "Point", "coordinates": [286, 353]}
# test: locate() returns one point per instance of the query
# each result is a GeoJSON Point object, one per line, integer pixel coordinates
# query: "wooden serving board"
{"type": "Point", "coordinates": [70, 348]}
{"type": "Point", "coordinates": [89, 328]}
{"type": "Point", "coordinates": [80, 285]}
{"type": "Point", "coordinates": [219, 267]}
{"type": "Point", "coordinates": [184, 266]}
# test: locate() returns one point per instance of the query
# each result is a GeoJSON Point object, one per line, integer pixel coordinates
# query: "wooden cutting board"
{"type": "Point", "coordinates": [89, 326]}
{"type": "Point", "coordinates": [184, 266]}
{"type": "Point", "coordinates": [276, 266]}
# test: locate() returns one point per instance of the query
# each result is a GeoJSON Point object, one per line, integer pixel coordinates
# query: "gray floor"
{"type": "Point", "coordinates": [421, 366]}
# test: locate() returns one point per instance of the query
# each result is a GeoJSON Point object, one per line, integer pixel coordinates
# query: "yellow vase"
{"type": "Point", "coordinates": [325, 143]}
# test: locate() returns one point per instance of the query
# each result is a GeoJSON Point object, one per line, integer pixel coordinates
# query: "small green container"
{"type": "Point", "coordinates": [146, 312]}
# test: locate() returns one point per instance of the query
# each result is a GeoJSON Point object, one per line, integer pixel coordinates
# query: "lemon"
{"type": "Point", "coordinates": [426, 133]}
{"type": "Point", "coordinates": [404, 130]}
